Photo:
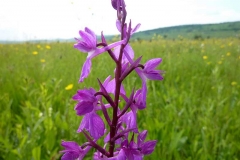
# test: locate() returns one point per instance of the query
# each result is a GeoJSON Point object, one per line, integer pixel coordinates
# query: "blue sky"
{"type": "Point", "coordinates": [50, 19]}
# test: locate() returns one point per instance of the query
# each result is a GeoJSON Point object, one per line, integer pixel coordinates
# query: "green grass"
{"type": "Point", "coordinates": [193, 113]}
{"type": "Point", "coordinates": [200, 31]}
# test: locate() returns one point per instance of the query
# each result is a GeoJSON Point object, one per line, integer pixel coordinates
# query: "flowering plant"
{"type": "Point", "coordinates": [119, 140]}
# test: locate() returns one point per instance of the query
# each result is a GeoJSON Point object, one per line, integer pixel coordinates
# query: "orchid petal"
{"type": "Point", "coordinates": [154, 75]}
{"type": "Point", "coordinates": [82, 47]}
{"type": "Point", "coordinates": [141, 137]}
{"type": "Point", "coordinates": [118, 25]}
{"type": "Point", "coordinates": [131, 120]}
{"type": "Point", "coordinates": [83, 108]}
{"type": "Point", "coordinates": [87, 95]}
{"type": "Point", "coordinates": [129, 51]}
{"type": "Point", "coordinates": [114, 4]}
{"type": "Point", "coordinates": [148, 147]}
{"type": "Point", "coordinates": [93, 124]}
{"type": "Point", "coordinates": [85, 69]}
{"type": "Point", "coordinates": [84, 123]}
{"type": "Point", "coordinates": [141, 96]}
{"type": "Point", "coordinates": [136, 28]}
{"type": "Point", "coordinates": [73, 151]}
{"type": "Point", "coordinates": [69, 156]}
{"type": "Point", "coordinates": [69, 145]}
{"type": "Point", "coordinates": [88, 39]}
{"type": "Point", "coordinates": [96, 126]}
{"type": "Point", "coordinates": [92, 34]}
{"type": "Point", "coordinates": [152, 64]}
{"type": "Point", "coordinates": [111, 87]}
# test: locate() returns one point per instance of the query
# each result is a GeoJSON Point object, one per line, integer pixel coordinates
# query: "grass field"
{"type": "Point", "coordinates": [197, 31]}
{"type": "Point", "coordinates": [194, 113]}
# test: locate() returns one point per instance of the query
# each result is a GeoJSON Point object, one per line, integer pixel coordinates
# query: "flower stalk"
{"type": "Point", "coordinates": [90, 104]}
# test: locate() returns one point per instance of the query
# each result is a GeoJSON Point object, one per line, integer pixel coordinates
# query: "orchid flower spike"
{"type": "Point", "coordinates": [120, 6]}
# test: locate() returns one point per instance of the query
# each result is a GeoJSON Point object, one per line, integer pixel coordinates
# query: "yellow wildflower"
{"type": "Point", "coordinates": [48, 47]}
{"type": "Point", "coordinates": [228, 54]}
{"type": "Point", "coordinates": [42, 60]}
{"type": "Point", "coordinates": [70, 86]}
{"type": "Point", "coordinates": [205, 57]}
{"type": "Point", "coordinates": [38, 46]}
{"type": "Point", "coordinates": [209, 63]}
{"type": "Point", "coordinates": [219, 62]}
{"type": "Point", "coordinates": [34, 52]}
{"type": "Point", "coordinates": [234, 83]}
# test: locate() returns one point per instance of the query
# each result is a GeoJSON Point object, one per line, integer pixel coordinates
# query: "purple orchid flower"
{"type": "Point", "coordinates": [148, 147]}
{"type": "Point", "coordinates": [125, 28]}
{"type": "Point", "coordinates": [86, 101]}
{"type": "Point", "coordinates": [130, 149]}
{"type": "Point", "coordinates": [149, 72]}
{"type": "Point", "coordinates": [110, 86]}
{"type": "Point", "coordinates": [127, 49]}
{"type": "Point", "coordinates": [121, 121]}
{"type": "Point", "coordinates": [140, 97]}
{"type": "Point", "coordinates": [94, 124]}
{"type": "Point", "coordinates": [149, 69]}
{"type": "Point", "coordinates": [73, 151]}
{"type": "Point", "coordinates": [120, 6]}
{"type": "Point", "coordinates": [119, 155]}
{"type": "Point", "coordinates": [118, 141]}
{"type": "Point", "coordinates": [130, 119]}
{"type": "Point", "coordinates": [87, 106]}
{"type": "Point", "coordinates": [136, 151]}
{"type": "Point", "coordinates": [89, 44]}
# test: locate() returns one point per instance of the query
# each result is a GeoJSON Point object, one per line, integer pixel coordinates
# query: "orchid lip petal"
{"type": "Point", "coordinates": [85, 69]}
{"type": "Point", "coordinates": [93, 124]}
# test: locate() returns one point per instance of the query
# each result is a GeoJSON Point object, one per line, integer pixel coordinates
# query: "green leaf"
{"type": "Point", "coordinates": [36, 153]}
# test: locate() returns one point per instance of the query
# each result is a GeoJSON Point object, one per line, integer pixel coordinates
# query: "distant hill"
{"type": "Point", "coordinates": [197, 31]}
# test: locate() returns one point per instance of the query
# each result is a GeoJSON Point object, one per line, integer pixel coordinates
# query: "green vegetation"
{"type": "Point", "coordinates": [204, 31]}
{"type": "Point", "coordinates": [193, 113]}
{"type": "Point", "coordinates": [195, 32]}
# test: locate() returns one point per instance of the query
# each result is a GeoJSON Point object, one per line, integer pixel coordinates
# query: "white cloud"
{"type": "Point", "coordinates": [43, 19]}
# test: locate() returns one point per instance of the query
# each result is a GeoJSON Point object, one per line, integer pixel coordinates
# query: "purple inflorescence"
{"type": "Point", "coordinates": [119, 130]}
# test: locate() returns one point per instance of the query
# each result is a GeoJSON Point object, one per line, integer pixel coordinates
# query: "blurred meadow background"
{"type": "Point", "coordinates": [193, 113]}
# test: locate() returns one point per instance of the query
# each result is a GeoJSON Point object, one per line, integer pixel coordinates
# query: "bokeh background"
{"type": "Point", "coordinates": [193, 113]}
